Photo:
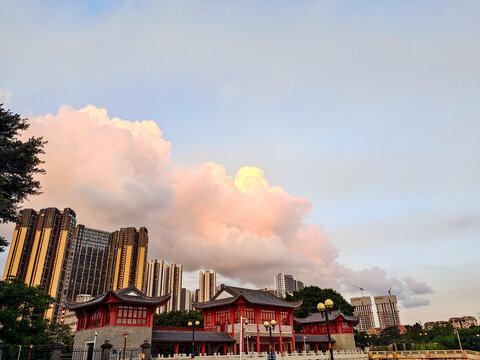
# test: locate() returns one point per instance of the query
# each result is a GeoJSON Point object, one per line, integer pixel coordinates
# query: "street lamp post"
{"type": "Point", "coordinates": [304, 344]}
{"type": "Point", "coordinates": [30, 352]}
{"type": "Point", "coordinates": [459, 341]}
{"type": "Point", "coordinates": [270, 326]}
{"type": "Point", "coordinates": [325, 310]}
{"type": "Point", "coordinates": [241, 335]}
{"type": "Point", "coordinates": [125, 336]}
{"type": "Point", "coordinates": [193, 335]}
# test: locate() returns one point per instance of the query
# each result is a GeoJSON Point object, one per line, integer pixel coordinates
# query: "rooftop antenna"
{"type": "Point", "coordinates": [390, 291]}
{"type": "Point", "coordinates": [361, 289]}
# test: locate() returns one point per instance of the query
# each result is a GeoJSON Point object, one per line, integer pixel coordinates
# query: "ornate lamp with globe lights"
{"type": "Point", "coordinates": [325, 310]}
{"type": "Point", "coordinates": [270, 326]}
{"type": "Point", "coordinates": [197, 323]}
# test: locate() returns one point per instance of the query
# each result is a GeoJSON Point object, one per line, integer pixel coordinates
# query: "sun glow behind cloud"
{"type": "Point", "coordinates": [116, 173]}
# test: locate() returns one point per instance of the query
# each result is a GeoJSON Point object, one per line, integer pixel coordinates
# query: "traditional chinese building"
{"type": "Point", "coordinates": [230, 307]}
{"type": "Point", "coordinates": [314, 331]}
{"type": "Point", "coordinates": [112, 315]}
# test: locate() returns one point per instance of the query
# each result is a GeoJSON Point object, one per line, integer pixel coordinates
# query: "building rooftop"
{"type": "Point", "coordinates": [186, 337]}
{"type": "Point", "coordinates": [317, 317]}
{"type": "Point", "coordinates": [230, 294]}
{"type": "Point", "coordinates": [130, 295]}
{"type": "Point", "coordinates": [312, 338]}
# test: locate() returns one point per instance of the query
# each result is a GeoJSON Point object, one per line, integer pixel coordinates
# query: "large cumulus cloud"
{"type": "Point", "coordinates": [116, 173]}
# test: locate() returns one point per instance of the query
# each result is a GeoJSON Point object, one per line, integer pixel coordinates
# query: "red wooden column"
{"type": "Point", "coordinates": [203, 349]}
{"type": "Point", "coordinates": [176, 348]}
{"type": "Point", "coordinates": [257, 321]}
{"type": "Point", "coordinates": [232, 321]}
{"type": "Point", "coordinates": [279, 322]}
{"type": "Point", "coordinates": [316, 347]}
{"type": "Point", "coordinates": [113, 314]}
{"type": "Point", "coordinates": [290, 315]}
{"type": "Point", "coordinates": [224, 349]}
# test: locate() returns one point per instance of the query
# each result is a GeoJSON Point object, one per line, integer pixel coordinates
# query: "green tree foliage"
{"type": "Point", "coordinates": [61, 333]}
{"type": "Point", "coordinates": [19, 162]}
{"type": "Point", "coordinates": [312, 295]}
{"type": "Point", "coordinates": [390, 335]}
{"type": "Point", "coordinates": [177, 318]}
{"type": "Point", "coordinates": [21, 313]}
{"type": "Point", "coordinates": [469, 338]}
{"type": "Point", "coordinates": [412, 334]}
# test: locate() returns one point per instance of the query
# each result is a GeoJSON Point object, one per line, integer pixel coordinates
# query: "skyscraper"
{"type": "Point", "coordinates": [87, 266]}
{"type": "Point", "coordinates": [387, 310]}
{"type": "Point", "coordinates": [172, 284]}
{"type": "Point", "coordinates": [299, 285]}
{"type": "Point", "coordinates": [207, 284]}
{"type": "Point", "coordinates": [40, 249]}
{"type": "Point", "coordinates": [284, 284]}
{"type": "Point", "coordinates": [127, 258]}
{"type": "Point", "coordinates": [363, 310]}
{"type": "Point", "coordinates": [154, 278]}
{"type": "Point", "coordinates": [185, 300]}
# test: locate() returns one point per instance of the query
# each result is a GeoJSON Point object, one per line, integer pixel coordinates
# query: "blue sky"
{"type": "Point", "coordinates": [368, 109]}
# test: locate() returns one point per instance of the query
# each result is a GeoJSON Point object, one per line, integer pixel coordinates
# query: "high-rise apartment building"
{"type": "Point", "coordinates": [387, 310]}
{"type": "Point", "coordinates": [40, 250]}
{"type": "Point", "coordinates": [299, 285]}
{"type": "Point", "coordinates": [185, 300]}
{"type": "Point", "coordinates": [172, 284]}
{"type": "Point", "coordinates": [87, 266]}
{"type": "Point", "coordinates": [284, 284]}
{"type": "Point", "coordinates": [363, 310]}
{"type": "Point", "coordinates": [127, 258]}
{"type": "Point", "coordinates": [207, 285]}
{"type": "Point", "coordinates": [152, 284]}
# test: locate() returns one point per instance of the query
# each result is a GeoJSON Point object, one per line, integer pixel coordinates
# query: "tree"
{"type": "Point", "coordinates": [21, 313]}
{"type": "Point", "coordinates": [19, 162]}
{"type": "Point", "coordinates": [390, 335]}
{"type": "Point", "coordinates": [177, 318]}
{"type": "Point", "coordinates": [312, 295]}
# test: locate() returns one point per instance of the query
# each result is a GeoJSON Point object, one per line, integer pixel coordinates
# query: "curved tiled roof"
{"type": "Point", "coordinates": [257, 297]}
{"type": "Point", "coordinates": [317, 317]}
{"type": "Point", "coordinates": [129, 295]}
{"type": "Point", "coordinates": [312, 338]}
{"type": "Point", "coordinates": [186, 336]}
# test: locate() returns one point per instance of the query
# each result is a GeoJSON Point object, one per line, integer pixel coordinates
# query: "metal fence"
{"type": "Point", "coordinates": [96, 354]}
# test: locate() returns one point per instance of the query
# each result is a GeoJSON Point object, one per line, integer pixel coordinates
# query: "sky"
{"type": "Point", "coordinates": [336, 141]}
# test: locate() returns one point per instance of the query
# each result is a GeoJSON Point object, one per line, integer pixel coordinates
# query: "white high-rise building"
{"type": "Point", "coordinates": [152, 285]}
{"type": "Point", "coordinates": [172, 284]}
{"type": "Point", "coordinates": [387, 310]}
{"type": "Point", "coordinates": [284, 284]}
{"type": "Point", "coordinates": [207, 285]}
{"type": "Point", "coordinates": [363, 310]}
{"type": "Point", "coordinates": [299, 285]}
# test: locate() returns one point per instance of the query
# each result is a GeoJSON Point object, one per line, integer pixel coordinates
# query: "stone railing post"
{"type": "Point", "coordinates": [57, 351]}
{"type": "Point", "coordinates": [106, 347]}
{"type": "Point", "coordinates": [146, 349]}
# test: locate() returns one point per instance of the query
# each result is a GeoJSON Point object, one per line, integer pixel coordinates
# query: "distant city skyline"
{"type": "Point", "coordinates": [340, 145]}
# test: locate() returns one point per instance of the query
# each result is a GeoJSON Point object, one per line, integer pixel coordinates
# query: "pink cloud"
{"type": "Point", "coordinates": [117, 173]}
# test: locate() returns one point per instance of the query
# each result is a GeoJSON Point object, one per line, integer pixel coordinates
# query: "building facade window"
{"type": "Point", "coordinates": [94, 319]}
{"type": "Point", "coordinates": [131, 315]}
